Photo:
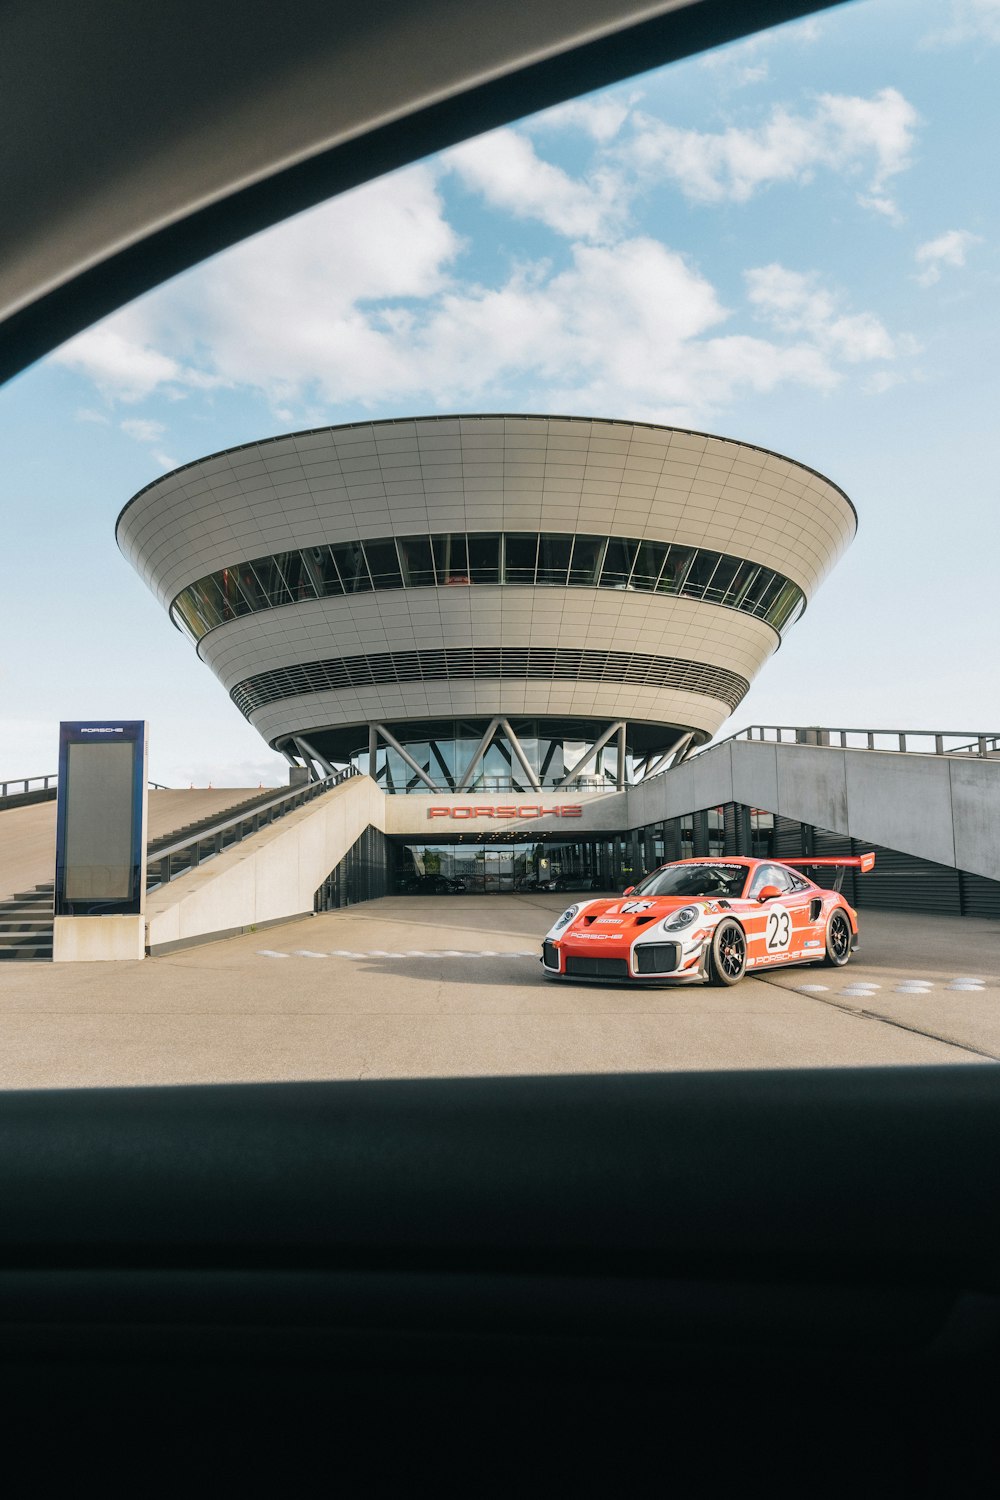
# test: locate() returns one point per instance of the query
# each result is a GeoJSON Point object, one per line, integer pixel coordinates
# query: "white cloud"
{"type": "Point", "coordinates": [89, 414]}
{"type": "Point", "coordinates": [360, 302]}
{"type": "Point", "coordinates": [505, 168]}
{"type": "Point", "coordinates": [285, 306]}
{"type": "Point", "coordinates": [948, 249]}
{"type": "Point", "coordinates": [119, 359]}
{"type": "Point", "coordinates": [601, 118]}
{"type": "Point", "coordinates": [843, 133]}
{"type": "Point", "coordinates": [143, 430]}
{"type": "Point", "coordinates": [630, 329]}
{"type": "Point", "coordinates": [879, 204]}
{"type": "Point", "coordinates": [968, 21]}
{"type": "Point", "coordinates": [794, 303]}
{"type": "Point", "coordinates": [740, 65]}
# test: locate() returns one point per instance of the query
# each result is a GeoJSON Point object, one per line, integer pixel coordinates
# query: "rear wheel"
{"type": "Point", "coordinates": [727, 956]}
{"type": "Point", "coordinates": [838, 940]}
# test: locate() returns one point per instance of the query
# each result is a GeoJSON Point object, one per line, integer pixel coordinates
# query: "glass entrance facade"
{"type": "Point", "coordinates": [489, 867]}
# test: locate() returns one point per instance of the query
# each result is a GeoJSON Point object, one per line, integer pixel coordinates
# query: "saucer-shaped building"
{"type": "Point", "coordinates": [488, 602]}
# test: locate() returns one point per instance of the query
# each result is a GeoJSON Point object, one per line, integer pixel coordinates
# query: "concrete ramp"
{"type": "Point", "coordinates": [28, 834]}
{"type": "Point", "coordinates": [944, 808]}
{"type": "Point", "coordinates": [269, 876]}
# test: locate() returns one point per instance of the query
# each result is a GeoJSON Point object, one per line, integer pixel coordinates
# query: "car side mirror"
{"type": "Point", "coordinates": [628, 890]}
{"type": "Point", "coordinates": [767, 892]}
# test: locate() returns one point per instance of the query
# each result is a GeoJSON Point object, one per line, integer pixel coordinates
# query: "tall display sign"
{"type": "Point", "coordinates": [101, 840]}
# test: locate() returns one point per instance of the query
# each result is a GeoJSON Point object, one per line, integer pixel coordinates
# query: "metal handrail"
{"type": "Point", "coordinates": [976, 746]}
{"type": "Point", "coordinates": [26, 783]}
{"type": "Point", "coordinates": [907, 741]}
{"type": "Point", "coordinates": [214, 839]}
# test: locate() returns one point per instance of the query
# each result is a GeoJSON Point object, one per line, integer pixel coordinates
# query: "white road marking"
{"type": "Point", "coordinates": [812, 989]}
{"type": "Point", "coordinates": [968, 979]}
{"type": "Point", "coordinates": [862, 991]}
{"type": "Point", "coordinates": [409, 953]}
{"type": "Point", "coordinates": [914, 987]}
{"type": "Point", "coordinates": [971, 987]}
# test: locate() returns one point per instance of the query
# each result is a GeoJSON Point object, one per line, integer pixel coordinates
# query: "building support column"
{"type": "Point", "coordinates": [518, 749]}
{"type": "Point", "coordinates": [478, 754]}
{"type": "Point", "coordinates": [407, 758]}
{"type": "Point", "coordinates": [594, 751]}
{"type": "Point", "coordinates": [315, 755]}
{"type": "Point", "coordinates": [621, 756]}
{"type": "Point", "coordinates": [307, 760]}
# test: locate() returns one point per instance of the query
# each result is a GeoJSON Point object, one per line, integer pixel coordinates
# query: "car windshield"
{"type": "Point", "coordinates": [694, 880]}
{"type": "Point", "coordinates": [492, 488]}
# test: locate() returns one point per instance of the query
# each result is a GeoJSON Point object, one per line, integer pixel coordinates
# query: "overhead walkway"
{"type": "Point", "coordinates": [930, 795]}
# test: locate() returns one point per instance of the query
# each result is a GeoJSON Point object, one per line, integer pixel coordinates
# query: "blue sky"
{"type": "Point", "coordinates": [792, 241]}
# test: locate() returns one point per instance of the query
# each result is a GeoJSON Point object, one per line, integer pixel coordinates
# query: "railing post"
{"type": "Point", "coordinates": [902, 742]}
{"type": "Point", "coordinates": [939, 744]}
{"type": "Point", "coordinates": [981, 741]}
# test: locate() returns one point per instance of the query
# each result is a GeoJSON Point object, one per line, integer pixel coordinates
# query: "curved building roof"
{"type": "Point", "coordinates": [467, 566]}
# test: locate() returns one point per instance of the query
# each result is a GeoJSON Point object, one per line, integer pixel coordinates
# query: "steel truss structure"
{"type": "Point", "coordinates": [435, 775]}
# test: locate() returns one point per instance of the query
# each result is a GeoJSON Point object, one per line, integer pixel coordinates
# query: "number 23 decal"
{"type": "Point", "coordinates": [778, 932]}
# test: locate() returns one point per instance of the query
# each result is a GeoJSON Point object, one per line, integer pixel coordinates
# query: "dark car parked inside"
{"type": "Point", "coordinates": [432, 885]}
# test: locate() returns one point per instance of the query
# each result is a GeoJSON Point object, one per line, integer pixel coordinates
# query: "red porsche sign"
{"type": "Point", "coordinates": [528, 810]}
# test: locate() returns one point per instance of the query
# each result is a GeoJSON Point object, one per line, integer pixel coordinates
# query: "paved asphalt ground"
{"type": "Point", "coordinates": [451, 986]}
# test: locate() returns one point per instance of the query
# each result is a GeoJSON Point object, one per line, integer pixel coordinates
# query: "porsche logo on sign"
{"type": "Point", "coordinates": [528, 810]}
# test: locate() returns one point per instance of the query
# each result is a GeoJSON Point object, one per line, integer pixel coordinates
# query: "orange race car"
{"type": "Point", "coordinates": [707, 920]}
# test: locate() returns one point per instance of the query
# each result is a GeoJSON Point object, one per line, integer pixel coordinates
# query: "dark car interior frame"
{"type": "Point", "coordinates": [610, 1250]}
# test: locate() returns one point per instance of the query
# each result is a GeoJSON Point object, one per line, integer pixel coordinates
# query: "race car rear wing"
{"type": "Point", "coordinates": [842, 863]}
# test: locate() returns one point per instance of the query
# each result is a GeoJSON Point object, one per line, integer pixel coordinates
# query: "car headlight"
{"type": "Point", "coordinates": [565, 919]}
{"type": "Point", "coordinates": [682, 918]}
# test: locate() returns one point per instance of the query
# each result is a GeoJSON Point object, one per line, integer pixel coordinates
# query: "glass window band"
{"type": "Point", "coordinates": [460, 559]}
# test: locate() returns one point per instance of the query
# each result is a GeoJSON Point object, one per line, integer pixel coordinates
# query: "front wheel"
{"type": "Point", "coordinates": [727, 956]}
{"type": "Point", "coordinates": [838, 940]}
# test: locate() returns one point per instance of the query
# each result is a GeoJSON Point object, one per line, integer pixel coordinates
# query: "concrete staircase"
{"type": "Point", "coordinates": [26, 918]}
{"type": "Point", "coordinates": [26, 924]}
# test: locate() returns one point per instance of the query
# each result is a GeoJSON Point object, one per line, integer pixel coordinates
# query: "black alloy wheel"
{"type": "Point", "coordinates": [728, 954]}
{"type": "Point", "coordinates": [838, 940]}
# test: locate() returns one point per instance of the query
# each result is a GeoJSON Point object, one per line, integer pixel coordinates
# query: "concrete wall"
{"type": "Point", "coordinates": [934, 807]}
{"type": "Point", "coordinates": [419, 817]}
{"type": "Point", "coordinates": [270, 876]}
{"type": "Point", "coordinates": [940, 808]}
